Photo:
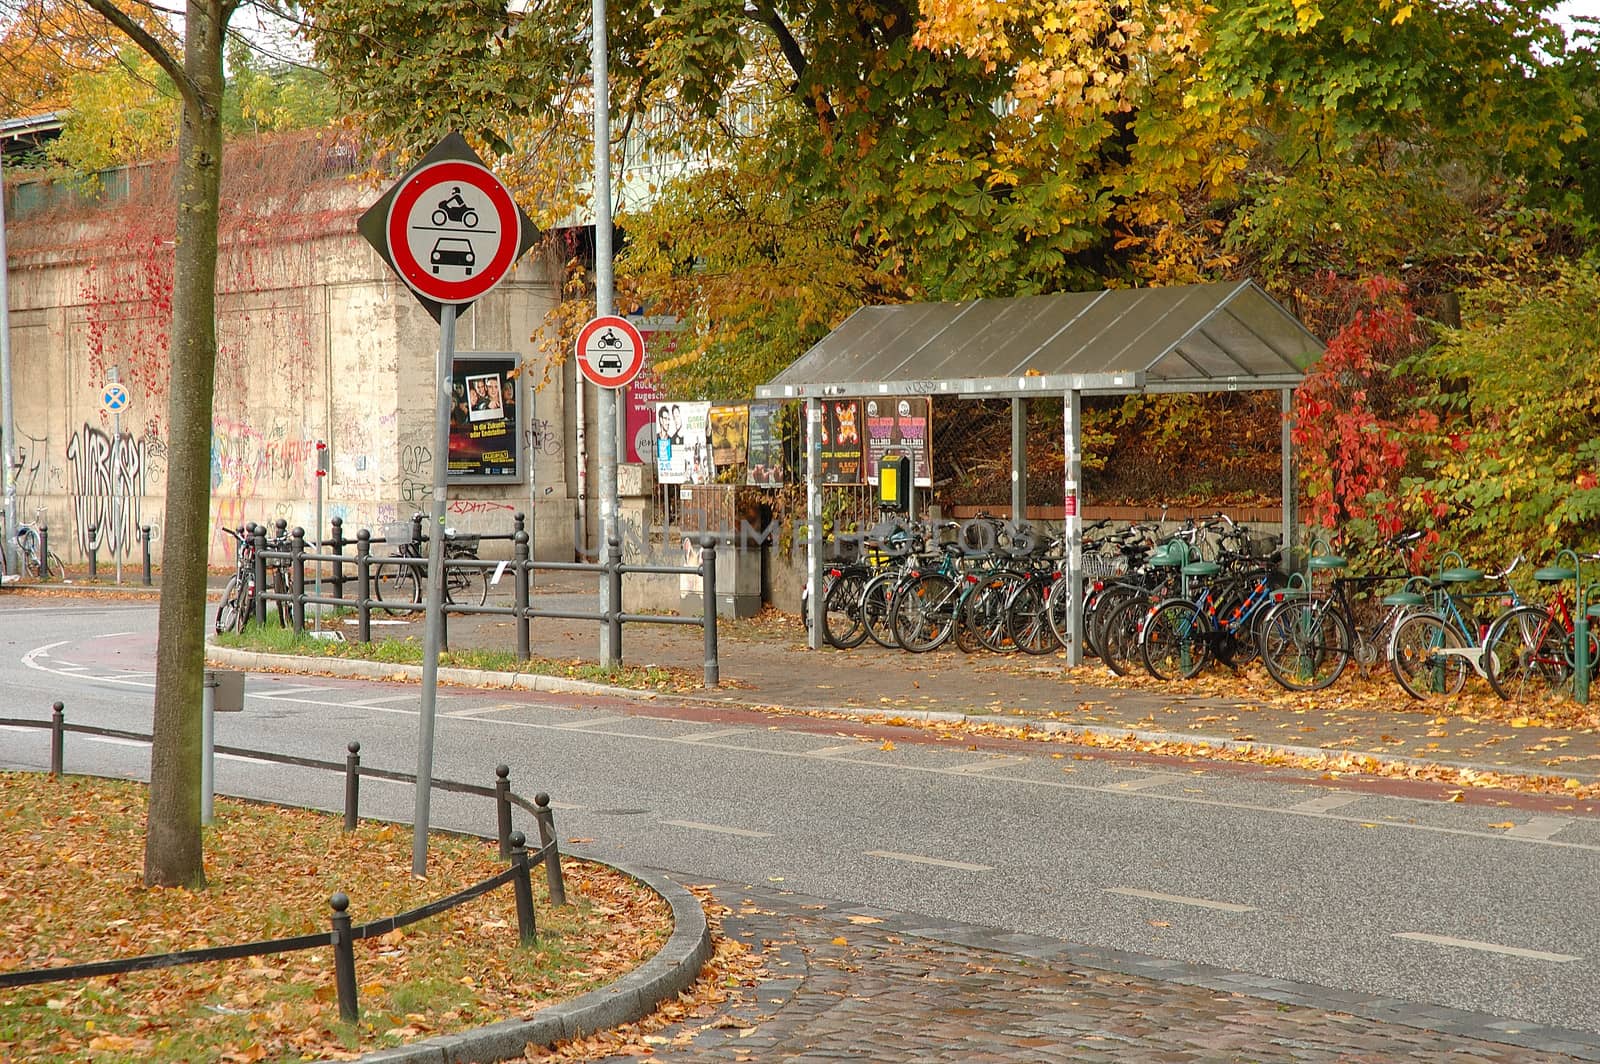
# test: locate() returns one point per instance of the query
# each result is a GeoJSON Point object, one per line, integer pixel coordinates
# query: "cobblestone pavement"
{"type": "Point", "coordinates": [858, 983]}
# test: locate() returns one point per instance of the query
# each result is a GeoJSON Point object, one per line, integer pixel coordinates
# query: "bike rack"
{"type": "Point", "coordinates": [1581, 665]}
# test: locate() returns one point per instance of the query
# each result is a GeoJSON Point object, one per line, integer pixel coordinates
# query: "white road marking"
{"type": "Point", "coordinates": [112, 740]}
{"type": "Point", "coordinates": [384, 700]}
{"type": "Point", "coordinates": [1144, 783]}
{"type": "Point", "coordinates": [830, 751]}
{"type": "Point", "coordinates": [473, 711]}
{"type": "Point", "coordinates": [276, 691]}
{"type": "Point", "coordinates": [575, 725]}
{"type": "Point", "coordinates": [721, 733]}
{"type": "Point", "coordinates": [695, 825]}
{"type": "Point", "coordinates": [1181, 899]}
{"type": "Point", "coordinates": [19, 728]}
{"type": "Point", "coordinates": [984, 766]}
{"type": "Point", "coordinates": [1539, 828]}
{"type": "Point", "coordinates": [1327, 803]}
{"type": "Point", "coordinates": [116, 635]}
{"type": "Point", "coordinates": [60, 664]}
{"type": "Point", "coordinates": [1488, 947]}
{"type": "Point", "coordinates": [963, 866]}
{"type": "Point", "coordinates": [241, 757]}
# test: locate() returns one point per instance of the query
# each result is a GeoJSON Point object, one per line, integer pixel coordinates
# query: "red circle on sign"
{"type": "Point", "coordinates": [597, 348]}
{"type": "Point", "coordinates": [425, 278]}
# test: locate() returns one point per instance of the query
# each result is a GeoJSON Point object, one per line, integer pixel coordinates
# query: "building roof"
{"type": "Point", "coordinates": [1203, 337]}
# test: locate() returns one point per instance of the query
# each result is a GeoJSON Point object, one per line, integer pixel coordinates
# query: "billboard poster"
{"type": "Point", "coordinates": [683, 443]}
{"type": "Point", "coordinates": [764, 457]}
{"type": "Point", "coordinates": [900, 425]}
{"type": "Point", "coordinates": [841, 441]}
{"type": "Point", "coordinates": [729, 427]}
{"type": "Point", "coordinates": [660, 332]}
{"type": "Point", "coordinates": [484, 429]}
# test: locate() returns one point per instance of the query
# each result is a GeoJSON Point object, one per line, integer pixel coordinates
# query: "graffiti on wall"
{"type": "Point", "coordinates": [106, 482]}
{"type": "Point", "coordinates": [416, 473]}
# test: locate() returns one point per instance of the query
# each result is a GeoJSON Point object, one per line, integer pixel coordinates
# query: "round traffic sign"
{"type": "Point", "coordinates": [114, 397]}
{"type": "Point", "coordinates": [453, 230]}
{"type": "Point", "coordinates": [610, 351]}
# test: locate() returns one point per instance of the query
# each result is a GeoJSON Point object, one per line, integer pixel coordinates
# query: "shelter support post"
{"type": "Point", "coordinates": [814, 521]}
{"type": "Point", "coordinates": [1072, 525]}
{"type": "Point", "coordinates": [1291, 493]}
{"type": "Point", "coordinates": [1019, 459]}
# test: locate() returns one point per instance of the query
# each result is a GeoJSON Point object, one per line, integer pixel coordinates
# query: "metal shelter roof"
{"type": "Point", "coordinates": [1202, 337]}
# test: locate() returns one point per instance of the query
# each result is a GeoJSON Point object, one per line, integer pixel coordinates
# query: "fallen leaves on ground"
{"type": "Point", "coordinates": [73, 892]}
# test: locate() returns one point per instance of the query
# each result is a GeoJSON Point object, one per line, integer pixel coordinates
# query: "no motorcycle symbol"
{"type": "Point", "coordinates": [610, 351]}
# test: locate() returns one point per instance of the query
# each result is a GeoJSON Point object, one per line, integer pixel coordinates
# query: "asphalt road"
{"type": "Point", "coordinates": [1468, 904]}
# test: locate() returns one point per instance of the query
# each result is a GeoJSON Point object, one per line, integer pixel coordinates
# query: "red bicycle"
{"type": "Point", "coordinates": [1530, 653]}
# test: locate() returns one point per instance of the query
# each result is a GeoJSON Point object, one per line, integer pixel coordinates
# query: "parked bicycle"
{"type": "Point", "coordinates": [238, 605]}
{"type": "Point", "coordinates": [1436, 649]}
{"type": "Point", "coordinates": [398, 585]}
{"type": "Point", "coordinates": [33, 562]}
{"type": "Point", "coordinates": [1531, 650]}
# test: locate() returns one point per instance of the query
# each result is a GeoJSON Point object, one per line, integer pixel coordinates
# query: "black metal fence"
{"type": "Point", "coordinates": [285, 556]}
{"type": "Point", "coordinates": [343, 933]}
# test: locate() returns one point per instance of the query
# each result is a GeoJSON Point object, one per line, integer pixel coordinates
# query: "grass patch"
{"type": "Point", "coordinates": [73, 892]}
{"type": "Point", "coordinates": [274, 639]}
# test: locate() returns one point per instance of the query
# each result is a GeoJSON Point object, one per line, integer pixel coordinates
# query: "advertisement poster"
{"type": "Point", "coordinates": [660, 332]}
{"type": "Point", "coordinates": [729, 427]}
{"type": "Point", "coordinates": [764, 458]}
{"type": "Point", "coordinates": [683, 443]}
{"type": "Point", "coordinates": [900, 425]}
{"type": "Point", "coordinates": [841, 441]}
{"type": "Point", "coordinates": [484, 430]}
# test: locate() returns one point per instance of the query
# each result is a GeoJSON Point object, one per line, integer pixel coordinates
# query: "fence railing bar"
{"type": "Point", "coordinates": [153, 961]}
{"type": "Point", "coordinates": [433, 908]}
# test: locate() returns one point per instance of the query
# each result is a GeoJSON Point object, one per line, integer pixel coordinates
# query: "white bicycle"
{"type": "Point", "coordinates": [33, 562]}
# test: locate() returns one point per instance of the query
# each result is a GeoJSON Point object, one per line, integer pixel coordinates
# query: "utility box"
{"type": "Point", "coordinates": [894, 483]}
{"type": "Point", "coordinates": [228, 690]}
{"type": "Point", "coordinates": [738, 580]}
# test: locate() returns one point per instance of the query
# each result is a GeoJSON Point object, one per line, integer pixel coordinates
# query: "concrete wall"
{"type": "Point", "coordinates": [317, 341]}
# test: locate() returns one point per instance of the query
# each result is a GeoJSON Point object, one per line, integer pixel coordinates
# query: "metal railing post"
{"type": "Point", "coordinates": [614, 614]}
{"type": "Point", "coordinates": [546, 819]}
{"type": "Point", "coordinates": [519, 583]}
{"type": "Point", "coordinates": [527, 930]}
{"type": "Point", "coordinates": [708, 622]}
{"type": "Point", "coordinates": [297, 579]}
{"type": "Point", "coordinates": [352, 785]}
{"type": "Point", "coordinates": [344, 959]}
{"type": "Point", "coordinates": [363, 586]}
{"type": "Point", "coordinates": [502, 807]}
{"type": "Point", "coordinates": [58, 738]}
{"type": "Point", "coordinates": [144, 534]}
{"type": "Point", "coordinates": [337, 541]}
{"type": "Point", "coordinates": [258, 540]}
{"type": "Point", "coordinates": [44, 551]}
{"type": "Point", "coordinates": [94, 552]}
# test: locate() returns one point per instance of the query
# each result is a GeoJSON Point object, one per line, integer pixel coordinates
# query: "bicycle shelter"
{"type": "Point", "coordinates": [1182, 338]}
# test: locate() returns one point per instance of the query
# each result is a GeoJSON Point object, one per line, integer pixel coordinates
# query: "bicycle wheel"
{"type": "Point", "coordinates": [876, 600]}
{"type": "Point", "coordinates": [228, 608]}
{"type": "Point", "coordinates": [1101, 608]}
{"type": "Point", "coordinates": [464, 585]}
{"type": "Point", "coordinates": [395, 587]}
{"type": "Point", "coordinates": [1421, 659]}
{"type": "Point", "coordinates": [1119, 637]}
{"type": "Point", "coordinates": [842, 623]}
{"type": "Point", "coordinates": [1056, 608]}
{"type": "Point", "coordinates": [1526, 656]}
{"type": "Point", "coordinates": [985, 614]}
{"type": "Point", "coordinates": [1028, 621]}
{"type": "Point", "coordinates": [1305, 644]}
{"type": "Point", "coordinates": [1173, 642]}
{"type": "Point", "coordinates": [924, 612]}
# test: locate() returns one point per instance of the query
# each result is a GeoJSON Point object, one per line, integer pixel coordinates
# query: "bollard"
{"type": "Point", "coordinates": [58, 738]}
{"type": "Point", "coordinates": [258, 546]}
{"type": "Point", "coordinates": [363, 586]}
{"type": "Point", "coordinates": [708, 622]}
{"type": "Point", "coordinates": [1580, 654]}
{"type": "Point", "coordinates": [94, 551]}
{"type": "Point", "coordinates": [337, 542]}
{"type": "Point", "coordinates": [546, 819]}
{"type": "Point", "coordinates": [502, 807]}
{"type": "Point", "coordinates": [144, 534]}
{"type": "Point", "coordinates": [344, 959]}
{"type": "Point", "coordinates": [527, 931]}
{"type": "Point", "coordinates": [297, 579]}
{"type": "Point", "coordinates": [44, 551]}
{"type": "Point", "coordinates": [614, 584]}
{"type": "Point", "coordinates": [519, 523]}
{"type": "Point", "coordinates": [416, 531]}
{"type": "Point", "coordinates": [519, 583]}
{"type": "Point", "coordinates": [352, 785]}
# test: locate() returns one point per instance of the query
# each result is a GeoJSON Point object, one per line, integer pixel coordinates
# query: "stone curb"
{"type": "Point", "coordinates": [372, 670]}
{"type": "Point", "coordinates": [674, 967]}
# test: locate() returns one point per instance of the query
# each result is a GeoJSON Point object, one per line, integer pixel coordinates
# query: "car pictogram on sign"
{"type": "Point", "coordinates": [452, 251]}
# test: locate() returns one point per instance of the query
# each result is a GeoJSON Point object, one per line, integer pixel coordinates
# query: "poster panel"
{"type": "Point", "coordinates": [683, 443]}
{"type": "Point", "coordinates": [660, 332]}
{"type": "Point", "coordinates": [841, 441]}
{"type": "Point", "coordinates": [764, 457]}
{"type": "Point", "coordinates": [485, 432]}
{"type": "Point", "coordinates": [900, 424]}
{"type": "Point", "coordinates": [730, 426]}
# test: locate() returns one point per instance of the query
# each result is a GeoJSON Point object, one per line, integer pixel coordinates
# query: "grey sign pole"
{"type": "Point", "coordinates": [606, 405]}
{"type": "Point", "coordinates": [114, 375]}
{"type": "Point", "coordinates": [8, 425]}
{"type": "Point", "coordinates": [434, 618]}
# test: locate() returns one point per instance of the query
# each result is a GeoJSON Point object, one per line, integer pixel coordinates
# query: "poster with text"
{"type": "Point", "coordinates": [764, 456]}
{"type": "Point", "coordinates": [683, 443]}
{"type": "Point", "coordinates": [841, 441]}
{"type": "Point", "coordinates": [729, 427]}
{"type": "Point", "coordinates": [660, 333]}
{"type": "Point", "coordinates": [900, 425]}
{"type": "Point", "coordinates": [485, 435]}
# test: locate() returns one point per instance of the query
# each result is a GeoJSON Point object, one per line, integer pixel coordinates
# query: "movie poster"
{"type": "Point", "coordinates": [729, 427]}
{"type": "Point", "coordinates": [900, 425]}
{"type": "Point", "coordinates": [841, 441]}
{"type": "Point", "coordinates": [683, 443]}
{"type": "Point", "coordinates": [764, 457]}
{"type": "Point", "coordinates": [485, 433]}
{"type": "Point", "coordinates": [660, 334]}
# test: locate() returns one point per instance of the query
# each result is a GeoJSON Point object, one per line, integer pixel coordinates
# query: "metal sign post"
{"type": "Point", "coordinates": [114, 397]}
{"type": "Point", "coordinates": [451, 231]}
{"type": "Point", "coordinates": [322, 472]}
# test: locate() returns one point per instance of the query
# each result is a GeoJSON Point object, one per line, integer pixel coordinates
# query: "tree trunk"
{"type": "Point", "coordinates": [173, 854]}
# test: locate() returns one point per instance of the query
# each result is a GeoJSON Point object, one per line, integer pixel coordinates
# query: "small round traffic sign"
{"type": "Point", "coordinates": [114, 397]}
{"type": "Point", "coordinates": [610, 351]}
{"type": "Point", "coordinates": [453, 231]}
